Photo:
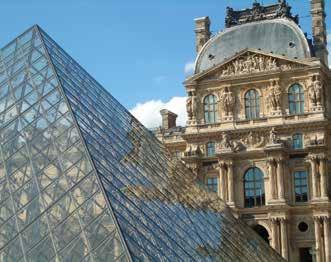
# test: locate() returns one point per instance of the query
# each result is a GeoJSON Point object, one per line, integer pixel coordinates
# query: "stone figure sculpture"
{"type": "Point", "coordinates": [315, 91]}
{"type": "Point", "coordinates": [275, 95]}
{"type": "Point", "coordinates": [274, 139]}
{"type": "Point", "coordinates": [227, 100]}
{"type": "Point", "coordinates": [191, 105]}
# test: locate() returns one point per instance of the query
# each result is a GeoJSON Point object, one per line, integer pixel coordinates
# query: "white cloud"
{"type": "Point", "coordinates": [189, 68]}
{"type": "Point", "coordinates": [148, 113]}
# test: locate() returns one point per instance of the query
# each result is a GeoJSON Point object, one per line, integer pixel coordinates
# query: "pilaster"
{"type": "Point", "coordinates": [318, 239]}
{"type": "Point", "coordinates": [230, 184]}
{"type": "Point", "coordinates": [284, 242]}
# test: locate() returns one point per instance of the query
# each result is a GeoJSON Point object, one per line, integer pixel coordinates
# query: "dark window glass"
{"type": "Point", "coordinates": [301, 186]}
{"type": "Point", "coordinates": [297, 141]}
{"type": "Point", "coordinates": [210, 109]}
{"type": "Point", "coordinates": [254, 188]}
{"type": "Point", "coordinates": [252, 104]}
{"type": "Point", "coordinates": [303, 227]}
{"type": "Point", "coordinates": [296, 99]}
{"type": "Point", "coordinates": [211, 149]}
{"type": "Point", "coordinates": [212, 184]}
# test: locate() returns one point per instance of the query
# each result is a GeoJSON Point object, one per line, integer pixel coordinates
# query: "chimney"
{"type": "Point", "coordinates": [168, 119]}
{"type": "Point", "coordinates": [319, 30]}
{"type": "Point", "coordinates": [202, 32]}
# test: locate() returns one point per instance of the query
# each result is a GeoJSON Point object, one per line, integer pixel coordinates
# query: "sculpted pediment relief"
{"type": "Point", "coordinates": [249, 63]}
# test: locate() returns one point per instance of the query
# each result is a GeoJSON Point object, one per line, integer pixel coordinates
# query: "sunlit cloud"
{"type": "Point", "coordinates": [148, 113]}
{"type": "Point", "coordinates": [189, 68]}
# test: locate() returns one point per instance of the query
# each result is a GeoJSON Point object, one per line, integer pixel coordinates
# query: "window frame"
{"type": "Point", "coordinates": [258, 199]}
{"type": "Point", "coordinates": [302, 200]}
{"type": "Point", "coordinates": [252, 104]}
{"type": "Point", "coordinates": [210, 111]}
{"type": "Point", "coordinates": [214, 149]}
{"type": "Point", "coordinates": [301, 141]}
{"type": "Point", "coordinates": [212, 187]}
{"type": "Point", "coordinates": [296, 99]}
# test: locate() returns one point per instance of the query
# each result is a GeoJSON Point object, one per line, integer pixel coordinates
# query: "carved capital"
{"type": "Point", "coordinates": [322, 157]}
{"type": "Point", "coordinates": [326, 219]}
{"type": "Point", "coordinates": [221, 164]}
{"type": "Point", "coordinates": [312, 158]}
{"type": "Point", "coordinates": [229, 163]}
{"type": "Point", "coordinates": [280, 161]}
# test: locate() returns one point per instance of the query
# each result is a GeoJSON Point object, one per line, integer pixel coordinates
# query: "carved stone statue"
{"type": "Point", "coordinates": [226, 141]}
{"type": "Point", "coordinates": [191, 106]}
{"type": "Point", "coordinates": [315, 91]}
{"type": "Point", "coordinates": [274, 139]}
{"type": "Point", "coordinates": [227, 101]}
{"type": "Point", "coordinates": [275, 96]}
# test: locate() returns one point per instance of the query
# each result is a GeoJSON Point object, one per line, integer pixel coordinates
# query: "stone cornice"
{"type": "Point", "coordinates": [309, 64]}
{"type": "Point", "coordinates": [202, 132]}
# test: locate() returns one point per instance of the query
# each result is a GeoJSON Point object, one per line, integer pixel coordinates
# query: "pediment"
{"type": "Point", "coordinates": [249, 62]}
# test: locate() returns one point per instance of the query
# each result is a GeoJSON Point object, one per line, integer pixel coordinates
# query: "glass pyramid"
{"type": "Point", "coordinates": [82, 180]}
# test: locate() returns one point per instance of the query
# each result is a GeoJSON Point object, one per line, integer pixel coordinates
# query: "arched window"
{"type": "Point", "coordinates": [296, 99]}
{"type": "Point", "coordinates": [210, 149]}
{"type": "Point", "coordinates": [212, 184]}
{"type": "Point", "coordinates": [301, 186]}
{"type": "Point", "coordinates": [210, 109]}
{"type": "Point", "coordinates": [254, 188]}
{"type": "Point", "coordinates": [252, 104]}
{"type": "Point", "coordinates": [297, 141]}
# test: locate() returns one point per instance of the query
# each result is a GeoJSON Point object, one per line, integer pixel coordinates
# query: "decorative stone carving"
{"type": "Point", "coordinates": [315, 91]}
{"type": "Point", "coordinates": [191, 106]}
{"type": "Point", "coordinates": [227, 101]}
{"type": "Point", "coordinates": [254, 140]}
{"type": "Point", "coordinates": [192, 150]}
{"type": "Point", "coordinates": [273, 137]}
{"type": "Point", "coordinates": [259, 12]}
{"type": "Point", "coordinates": [275, 96]}
{"type": "Point", "coordinates": [228, 145]}
{"type": "Point", "coordinates": [314, 140]}
{"type": "Point", "coordinates": [255, 63]}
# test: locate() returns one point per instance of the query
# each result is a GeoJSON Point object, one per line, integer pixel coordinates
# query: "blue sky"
{"type": "Point", "coordinates": [136, 49]}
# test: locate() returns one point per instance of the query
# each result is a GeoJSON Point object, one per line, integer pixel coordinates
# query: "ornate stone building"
{"type": "Point", "coordinates": [258, 130]}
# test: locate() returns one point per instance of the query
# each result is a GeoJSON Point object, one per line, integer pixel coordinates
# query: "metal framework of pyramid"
{"type": "Point", "coordinates": [83, 180]}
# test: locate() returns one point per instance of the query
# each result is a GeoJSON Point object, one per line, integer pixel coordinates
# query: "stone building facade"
{"type": "Point", "coordinates": [258, 130]}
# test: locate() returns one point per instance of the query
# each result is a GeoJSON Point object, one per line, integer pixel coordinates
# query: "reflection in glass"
{"type": "Point", "coordinates": [82, 180]}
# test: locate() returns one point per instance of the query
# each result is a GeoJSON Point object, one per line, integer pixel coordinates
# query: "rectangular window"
{"type": "Point", "coordinates": [297, 141]}
{"type": "Point", "coordinates": [301, 186]}
{"type": "Point", "coordinates": [211, 149]}
{"type": "Point", "coordinates": [212, 184]}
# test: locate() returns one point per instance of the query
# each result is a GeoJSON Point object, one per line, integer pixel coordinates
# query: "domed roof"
{"type": "Point", "coordinates": [279, 36]}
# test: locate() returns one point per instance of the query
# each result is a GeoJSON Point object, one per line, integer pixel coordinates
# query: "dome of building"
{"type": "Point", "coordinates": [279, 36]}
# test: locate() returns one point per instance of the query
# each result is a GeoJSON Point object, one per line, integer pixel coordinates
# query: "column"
{"type": "Point", "coordinates": [313, 175]}
{"type": "Point", "coordinates": [326, 226]}
{"type": "Point", "coordinates": [221, 181]}
{"type": "Point", "coordinates": [323, 180]}
{"type": "Point", "coordinates": [317, 239]}
{"type": "Point", "coordinates": [230, 184]}
{"type": "Point", "coordinates": [283, 229]}
{"type": "Point", "coordinates": [272, 185]}
{"type": "Point", "coordinates": [274, 232]}
{"type": "Point", "coordinates": [280, 179]}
